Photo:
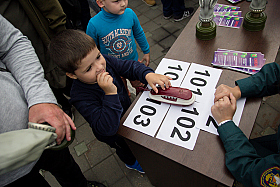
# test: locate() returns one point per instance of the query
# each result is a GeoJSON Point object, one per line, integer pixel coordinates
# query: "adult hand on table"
{"type": "Point", "coordinates": [224, 108]}
{"type": "Point", "coordinates": [53, 115]}
{"type": "Point", "coordinates": [224, 90]}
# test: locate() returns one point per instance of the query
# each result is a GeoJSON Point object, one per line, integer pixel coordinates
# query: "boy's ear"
{"type": "Point", "coordinates": [71, 75]}
{"type": "Point", "coordinates": [100, 3]}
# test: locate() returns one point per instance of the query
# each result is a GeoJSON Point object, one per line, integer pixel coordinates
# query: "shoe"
{"type": "Point", "coordinates": [95, 184]}
{"type": "Point", "coordinates": [187, 13]}
{"type": "Point", "coordinates": [150, 2]}
{"type": "Point", "coordinates": [167, 17]}
{"type": "Point", "coordinates": [136, 166]}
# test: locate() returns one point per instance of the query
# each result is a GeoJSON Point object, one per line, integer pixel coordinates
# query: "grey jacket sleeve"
{"type": "Point", "coordinates": [18, 56]}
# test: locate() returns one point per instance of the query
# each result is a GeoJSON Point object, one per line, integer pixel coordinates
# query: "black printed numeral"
{"type": "Point", "coordinates": [176, 131]}
{"type": "Point", "coordinates": [190, 112]}
{"type": "Point", "coordinates": [201, 73]}
{"type": "Point", "coordinates": [179, 68]}
{"type": "Point", "coordinates": [199, 81]}
{"type": "Point", "coordinates": [173, 75]}
{"type": "Point", "coordinates": [146, 110]}
{"type": "Point", "coordinates": [185, 125]}
{"type": "Point", "coordinates": [211, 120]}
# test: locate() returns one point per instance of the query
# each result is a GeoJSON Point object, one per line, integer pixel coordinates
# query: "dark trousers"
{"type": "Point", "coordinates": [265, 145]}
{"type": "Point", "coordinates": [173, 7]}
{"type": "Point", "coordinates": [122, 149]}
{"type": "Point", "coordinates": [85, 14]}
{"type": "Point", "coordinates": [60, 164]}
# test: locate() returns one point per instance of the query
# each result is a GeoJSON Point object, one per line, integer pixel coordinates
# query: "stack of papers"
{"type": "Point", "coordinates": [227, 16]}
{"type": "Point", "coordinates": [246, 62]}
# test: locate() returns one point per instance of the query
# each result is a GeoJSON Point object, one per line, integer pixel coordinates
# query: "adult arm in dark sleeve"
{"type": "Point", "coordinates": [242, 159]}
{"type": "Point", "coordinates": [263, 83]}
{"type": "Point", "coordinates": [130, 69]}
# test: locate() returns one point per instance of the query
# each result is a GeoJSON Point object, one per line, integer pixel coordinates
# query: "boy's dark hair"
{"type": "Point", "coordinates": [69, 47]}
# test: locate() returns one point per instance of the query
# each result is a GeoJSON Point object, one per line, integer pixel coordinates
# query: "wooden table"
{"type": "Point", "coordinates": [169, 165]}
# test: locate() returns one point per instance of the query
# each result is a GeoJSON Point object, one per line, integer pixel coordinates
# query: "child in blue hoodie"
{"type": "Point", "coordinates": [115, 29]}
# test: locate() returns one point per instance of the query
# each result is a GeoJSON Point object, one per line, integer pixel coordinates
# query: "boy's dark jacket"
{"type": "Point", "coordinates": [103, 112]}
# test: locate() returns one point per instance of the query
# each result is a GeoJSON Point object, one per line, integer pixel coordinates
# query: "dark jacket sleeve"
{"type": "Point", "coordinates": [47, 18]}
{"type": "Point", "coordinates": [102, 112]}
{"type": "Point", "coordinates": [263, 83]}
{"type": "Point", "coordinates": [242, 159]}
{"type": "Point", "coordinates": [130, 69]}
{"type": "Point", "coordinates": [103, 116]}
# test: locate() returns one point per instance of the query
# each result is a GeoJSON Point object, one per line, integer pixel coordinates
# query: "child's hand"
{"type": "Point", "coordinates": [162, 80]}
{"type": "Point", "coordinates": [146, 58]}
{"type": "Point", "coordinates": [105, 81]}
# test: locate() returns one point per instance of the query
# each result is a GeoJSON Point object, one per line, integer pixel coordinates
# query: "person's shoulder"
{"type": "Point", "coordinates": [130, 14]}
{"type": "Point", "coordinates": [129, 11]}
{"type": "Point", "coordinates": [80, 91]}
{"type": "Point", "coordinates": [76, 86]}
{"type": "Point", "coordinates": [79, 86]}
{"type": "Point", "coordinates": [109, 59]}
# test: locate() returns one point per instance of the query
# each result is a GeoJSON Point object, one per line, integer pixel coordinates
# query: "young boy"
{"type": "Point", "coordinates": [98, 92]}
{"type": "Point", "coordinates": [115, 30]}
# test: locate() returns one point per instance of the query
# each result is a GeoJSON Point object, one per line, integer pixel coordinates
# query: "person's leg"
{"type": "Point", "coordinates": [122, 149]}
{"type": "Point", "coordinates": [265, 145]}
{"type": "Point", "coordinates": [85, 17]}
{"type": "Point", "coordinates": [94, 6]}
{"type": "Point", "coordinates": [167, 8]}
{"type": "Point", "coordinates": [60, 164]}
{"type": "Point", "coordinates": [178, 8]}
{"type": "Point", "coordinates": [32, 179]}
{"type": "Point", "coordinates": [63, 167]}
{"type": "Point", "coordinates": [125, 154]}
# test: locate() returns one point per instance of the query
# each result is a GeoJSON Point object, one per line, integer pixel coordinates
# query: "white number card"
{"type": "Point", "coordinates": [200, 79]}
{"type": "Point", "coordinates": [173, 68]}
{"type": "Point", "coordinates": [179, 126]}
{"type": "Point", "coordinates": [210, 125]}
{"type": "Point", "coordinates": [147, 115]}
